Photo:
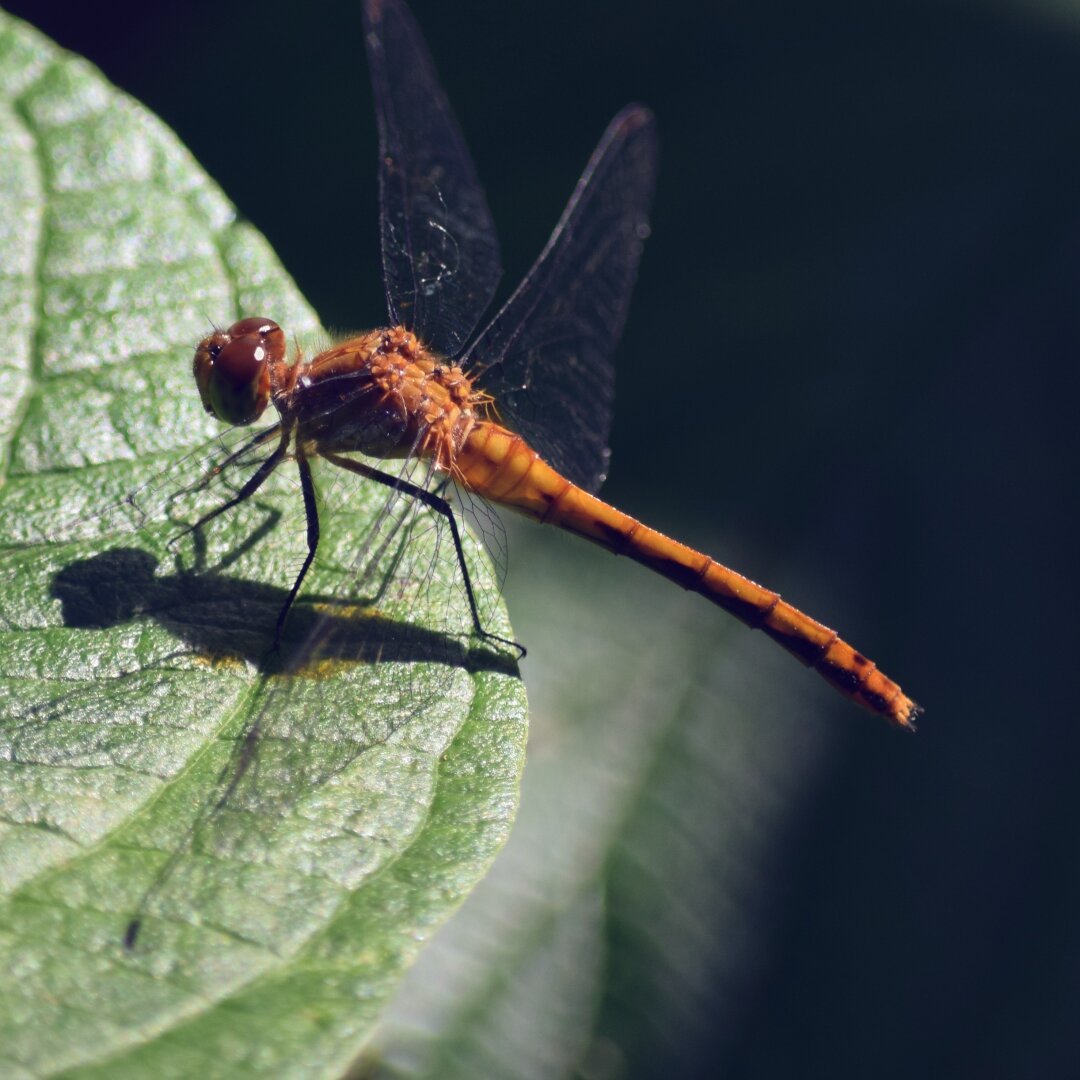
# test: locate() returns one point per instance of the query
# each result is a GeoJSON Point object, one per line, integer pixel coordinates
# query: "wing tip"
{"type": "Point", "coordinates": [633, 116]}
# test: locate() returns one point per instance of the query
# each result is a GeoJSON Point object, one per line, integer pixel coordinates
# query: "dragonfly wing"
{"type": "Point", "coordinates": [546, 357]}
{"type": "Point", "coordinates": [290, 778]}
{"type": "Point", "coordinates": [302, 793]}
{"type": "Point", "coordinates": [439, 247]}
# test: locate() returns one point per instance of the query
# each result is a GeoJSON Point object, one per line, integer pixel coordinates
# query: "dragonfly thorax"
{"type": "Point", "coordinates": [382, 393]}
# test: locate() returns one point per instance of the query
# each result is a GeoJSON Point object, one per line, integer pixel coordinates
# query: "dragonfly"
{"type": "Point", "coordinates": [242, 757]}
{"type": "Point", "coordinates": [518, 413]}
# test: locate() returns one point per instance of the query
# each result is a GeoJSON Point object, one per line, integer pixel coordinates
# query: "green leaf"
{"type": "Point", "coordinates": [279, 894]}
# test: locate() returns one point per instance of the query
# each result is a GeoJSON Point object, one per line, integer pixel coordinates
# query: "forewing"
{"type": "Point", "coordinates": [439, 247]}
{"type": "Point", "coordinates": [546, 357]}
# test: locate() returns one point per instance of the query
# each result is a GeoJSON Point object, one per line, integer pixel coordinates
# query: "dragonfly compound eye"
{"type": "Point", "coordinates": [232, 369]}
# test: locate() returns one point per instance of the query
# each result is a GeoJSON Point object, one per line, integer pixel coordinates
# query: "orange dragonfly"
{"type": "Point", "coordinates": [518, 413]}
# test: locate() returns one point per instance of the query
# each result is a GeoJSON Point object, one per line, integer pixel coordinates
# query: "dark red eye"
{"type": "Point", "coordinates": [240, 361]}
{"type": "Point", "coordinates": [232, 369]}
{"type": "Point", "coordinates": [254, 325]}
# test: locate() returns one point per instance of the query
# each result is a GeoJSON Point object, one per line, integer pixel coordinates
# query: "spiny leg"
{"type": "Point", "coordinates": [254, 482]}
{"type": "Point", "coordinates": [208, 475]}
{"type": "Point", "coordinates": [311, 512]}
{"type": "Point", "coordinates": [440, 506]}
{"type": "Point", "coordinates": [235, 456]}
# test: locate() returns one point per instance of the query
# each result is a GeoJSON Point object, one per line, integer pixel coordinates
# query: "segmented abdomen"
{"type": "Point", "coordinates": [500, 466]}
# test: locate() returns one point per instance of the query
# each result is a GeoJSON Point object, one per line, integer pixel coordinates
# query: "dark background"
{"type": "Point", "coordinates": [852, 348]}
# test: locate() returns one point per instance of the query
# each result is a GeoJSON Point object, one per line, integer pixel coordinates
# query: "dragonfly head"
{"type": "Point", "coordinates": [232, 369]}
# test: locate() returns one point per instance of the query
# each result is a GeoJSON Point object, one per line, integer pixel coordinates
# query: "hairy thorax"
{"type": "Point", "coordinates": [381, 393]}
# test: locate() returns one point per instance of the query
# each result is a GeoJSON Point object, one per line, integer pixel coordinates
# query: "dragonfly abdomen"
{"type": "Point", "coordinates": [500, 466]}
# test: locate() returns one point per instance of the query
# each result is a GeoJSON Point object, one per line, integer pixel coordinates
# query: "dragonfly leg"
{"type": "Point", "coordinates": [236, 455]}
{"type": "Point", "coordinates": [311, 512]}
{"type": "Point", "coordinates": [440, 506]}
{"type": "Point", "coordinates": [256, 481]}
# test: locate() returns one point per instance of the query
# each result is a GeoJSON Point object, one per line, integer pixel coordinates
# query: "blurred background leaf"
{"type": "Point", "coordinates": [626, 913]}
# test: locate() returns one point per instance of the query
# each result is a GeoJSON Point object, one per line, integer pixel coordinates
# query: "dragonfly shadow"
{"type": "Point", "coordinates": [218, 617]}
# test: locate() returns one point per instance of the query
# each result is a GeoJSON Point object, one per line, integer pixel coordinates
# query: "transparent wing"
{"type": "Point", "coordinates": [439, 247]}
{"type": "Point", "coordinates": [314, 777]}
{"type": "Point", "coordinates": [107, 651]}
{"type": "Point", "coordinates": [123, 498]}
{"type": "Point", "coordinates": [271, 785]}
{"type": "Point", "coordinates": [546, 358]}
{"type": "Point", "coordinates": [109, 614]}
